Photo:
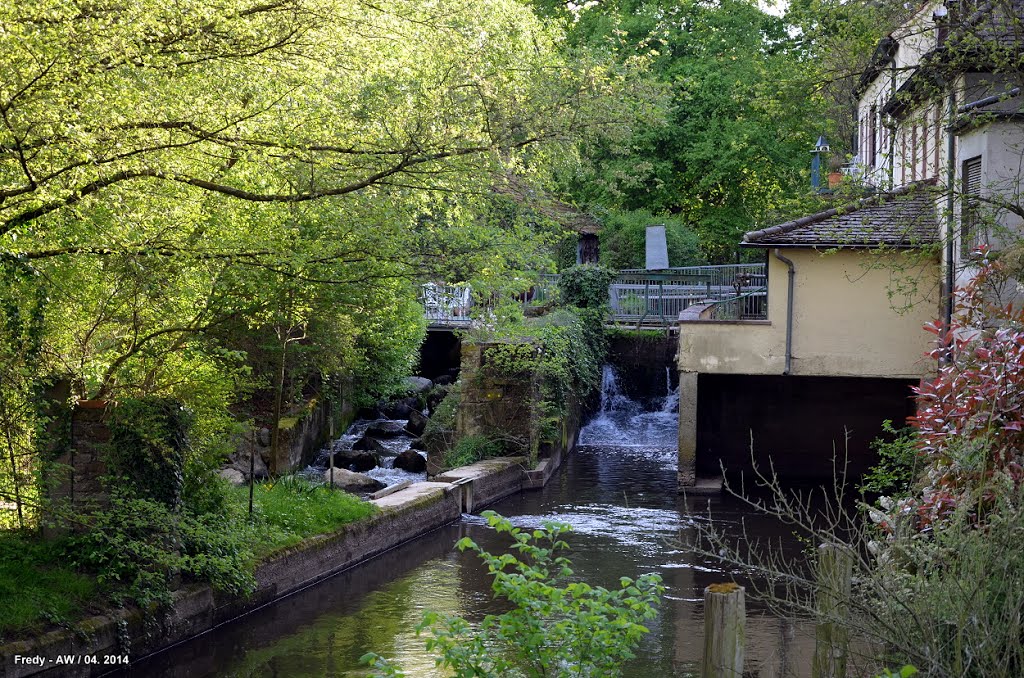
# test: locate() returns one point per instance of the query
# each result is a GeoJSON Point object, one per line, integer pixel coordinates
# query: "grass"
{"type": "Point", "coordinates": [291, 509]}
{"type": "Point", "coordinates": [35, 588]}
{"type": "Point", "coordinates": [38, 588]}
{"type": "Point", "coordinates": [471, 449]}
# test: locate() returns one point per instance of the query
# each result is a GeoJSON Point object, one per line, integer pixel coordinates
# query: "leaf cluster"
{"type": "Point", "coordinates": [556, 627]}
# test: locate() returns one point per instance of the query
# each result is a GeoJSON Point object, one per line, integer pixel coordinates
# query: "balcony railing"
{"type": "Point", "coordinates": [446, 305]}
{"type": "Point", "coordinates": [749, 306]}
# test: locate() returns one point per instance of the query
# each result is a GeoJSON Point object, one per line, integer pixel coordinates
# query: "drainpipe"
{"type": "Point", "coordinates": [950, 225]}
{"type": "Point", "coordinates": [789, 310]}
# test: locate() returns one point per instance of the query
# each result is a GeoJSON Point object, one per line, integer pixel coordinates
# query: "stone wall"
{"type": "Point", "coordinates": [74, 479]}
{"type": "Point", "coordinates": [304, 432]}
{"type": "Point", "coordinates": [495, 405]}
{"type": "Point", "coordinates": [301, 437]}
{"type": "Point", "coordinates": [505, 408]}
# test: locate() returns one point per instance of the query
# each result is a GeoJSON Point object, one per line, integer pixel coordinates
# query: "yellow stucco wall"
{"type": "Point", "coordinates": [844, 321]}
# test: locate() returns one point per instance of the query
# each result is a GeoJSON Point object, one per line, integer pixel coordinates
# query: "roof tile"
{"type": "Point", "coordinates": [905, 218]}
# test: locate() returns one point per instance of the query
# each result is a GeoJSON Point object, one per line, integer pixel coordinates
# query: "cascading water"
{"type": "Point", "coordinates": [624, 422]}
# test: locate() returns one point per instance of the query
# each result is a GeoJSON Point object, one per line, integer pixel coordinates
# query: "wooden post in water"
{"type": "Point", "coordinates": [724, 631]}
{"type": "Point", "coordinates": [831, 639]}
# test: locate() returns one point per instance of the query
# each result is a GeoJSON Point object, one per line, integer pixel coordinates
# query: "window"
{"type": "Point", "coordinates": [971, 228]}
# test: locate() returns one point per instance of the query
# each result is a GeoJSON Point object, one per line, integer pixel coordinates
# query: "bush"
{"type": "Point", "coordinates": [952, 597]}
{"type": "Point", "coordinates": [148, 443]}
{"type": "Point", "coordinates": [136, 546]}
{"type": "Point", "coordinates": [899, 462]}
{"type": "Point", "coordinates": [971, 417]}
{"type": "Point", "coordinates": [585, 286]}
{"type": "Point", "coordinates": [439, 435]}
{"type": "Point", "coordinates": [556, 627]}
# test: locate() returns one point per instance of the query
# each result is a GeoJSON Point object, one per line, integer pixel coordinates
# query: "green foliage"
{"type": "Point", "coordinates": [730, 143]}
{"type": "Point", "coordinates": [556, 626]}
{"type": "Point", "coordinates": [439, 435]}
{"type": "Point", "coordinates": [136, 546]}
{"type": "Point", "coordinates": [148, 443]}
{"type": "Point", "coordinates": [585, 286]}
{"type": "Point", "coordinates": [624, 238]}
{"type": "Point", "coordinates": [564, 349]}
{"type": "Point", "coordinates": [899, 462]}
{"type": "Point", "coordinates": [291, 509]}
{"type": "Point", "coordinates": [905, 672]}
{"type": "Point", "coordinates": [470, 449]}
{"type": "Point", "coordinates": [172, 238]}
{"type": "Point", "coordinates": [613, 333]}
{"type": "Point", "coordinates": [952, 596]}
{"type": "Point", "coordinates": [37, 586]}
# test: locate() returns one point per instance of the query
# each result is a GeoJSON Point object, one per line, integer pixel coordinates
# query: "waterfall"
{"type": "Point", "coordinates": [623, 422]}
{"type": "Point", "coordinates": [613, 400]}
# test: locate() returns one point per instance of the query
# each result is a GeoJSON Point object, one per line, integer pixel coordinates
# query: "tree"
{"type": "Point", "coordinates": [739, 118]}
{"type": "Point", "coordinates": [168, 174]}
{"type": "Point", "coordinates": [286, 101]}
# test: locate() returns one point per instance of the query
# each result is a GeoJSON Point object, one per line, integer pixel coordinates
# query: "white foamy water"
{"type": "Point", "coordinates": [623, 422]}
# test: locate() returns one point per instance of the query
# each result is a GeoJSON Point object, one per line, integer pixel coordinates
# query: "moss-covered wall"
{"type": "Point", "coordinates": [506, 408]}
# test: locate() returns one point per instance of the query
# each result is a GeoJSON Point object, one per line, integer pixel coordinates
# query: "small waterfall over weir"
{"type": "Point", "coordinates": [624, 422]}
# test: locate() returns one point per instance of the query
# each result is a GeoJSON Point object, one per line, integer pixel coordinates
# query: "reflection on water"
{"type": "Point", "coordinates": [627, 518]}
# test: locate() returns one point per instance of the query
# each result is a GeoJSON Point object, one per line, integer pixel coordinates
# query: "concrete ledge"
{"type": "Point", "coordinates": [539, 477]}
{"type": "Point", "coordinates": [407, 512]}
{"type": "Point", "coordinates": [391, 489]}
{"type": "Point", "coordinates": [485, 482]}
{"type": "Point", "coordinates": [703, 487]}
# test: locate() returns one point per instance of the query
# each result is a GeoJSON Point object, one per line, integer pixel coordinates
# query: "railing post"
{"type": "Point", "coordinates": [724, 631]}
{"type": "Point", "coordinates": [831, 640]}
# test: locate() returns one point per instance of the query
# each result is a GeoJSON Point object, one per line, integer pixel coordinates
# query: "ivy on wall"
{"type": "Point", "coordinates": [148, 442]}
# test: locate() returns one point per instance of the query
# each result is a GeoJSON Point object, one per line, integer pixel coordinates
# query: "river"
{"type": "Point", "coordinates": [617, 491]}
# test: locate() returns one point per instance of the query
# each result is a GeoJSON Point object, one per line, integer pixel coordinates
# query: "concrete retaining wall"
{"type": "Point", "coordinates": [405, 515]}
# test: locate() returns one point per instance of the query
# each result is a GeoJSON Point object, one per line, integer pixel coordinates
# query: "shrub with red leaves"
{"type": "Point", "coordinates": [970, 419]}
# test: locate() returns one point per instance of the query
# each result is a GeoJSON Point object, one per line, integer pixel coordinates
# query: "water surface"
{"type": "Point", "coordinates": [617, 491]}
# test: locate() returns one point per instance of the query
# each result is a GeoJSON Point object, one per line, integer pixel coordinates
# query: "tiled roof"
{"type": "Point", "coordinates": [997, 22]}
{"type": "Point", "coordinates": [904, 218]}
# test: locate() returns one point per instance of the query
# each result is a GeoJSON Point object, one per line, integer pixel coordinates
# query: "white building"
{"type": "Point", "coordinates": [950, 76]}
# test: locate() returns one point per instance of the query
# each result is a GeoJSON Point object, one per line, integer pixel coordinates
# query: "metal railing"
{"type": "Point", "coordinates": [749, 306]}
{"type": "Point", "coordinates": [636, 297]}
{"type": "Point", "coordinates": [546, 289]}
{"type": "Point", "coordinates": [446, 304]}
{"type": "Point", "coordinates": [641, 297]}
{"type": "Point", "coordinates": [454, 305]}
